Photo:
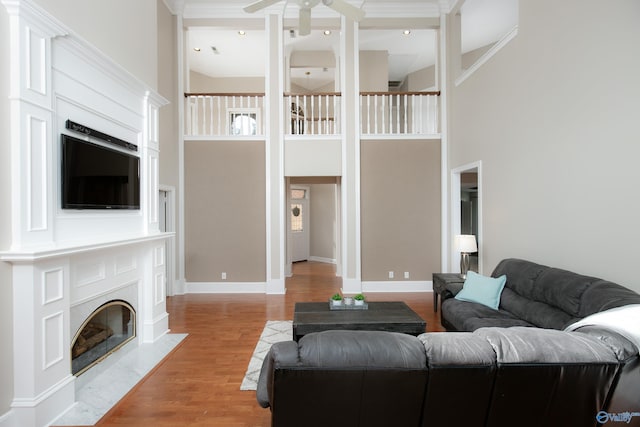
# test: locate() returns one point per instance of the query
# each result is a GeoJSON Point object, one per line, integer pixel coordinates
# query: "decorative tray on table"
{"type": "Point", "coordinates": [345, 306]}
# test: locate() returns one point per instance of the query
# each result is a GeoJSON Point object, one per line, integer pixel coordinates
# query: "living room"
{"type": "Point", "coordinates": [556, 151]}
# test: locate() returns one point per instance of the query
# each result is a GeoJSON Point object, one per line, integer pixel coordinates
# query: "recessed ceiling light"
{"type": "Point", "coordinates": [197, 49]}
{"type": "Point", "coordinates": [327, 32]}
{"type": "Point", "coordinates": [406, 32]}
{"type": "Point", "coordinates": [241, 33]}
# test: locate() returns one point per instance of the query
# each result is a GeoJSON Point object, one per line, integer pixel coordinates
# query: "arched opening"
{"type": "Point", "coordinates": [107, 329]}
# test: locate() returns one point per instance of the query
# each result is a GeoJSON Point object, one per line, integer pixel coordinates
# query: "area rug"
{"type": "Point", "coordinates": [274, 331]}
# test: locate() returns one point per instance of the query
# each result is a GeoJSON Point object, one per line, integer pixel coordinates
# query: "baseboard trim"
{"type": "Point", "coordinates": [155, 329]}
{"type": "Point", "coordinates": [397, 286]}
{"type": "Point", "coordinates": [321, 259]}
{"type": "Point", "coordinates": [45, 408]}
{"type": "Point", "coordinates": [225, 288]}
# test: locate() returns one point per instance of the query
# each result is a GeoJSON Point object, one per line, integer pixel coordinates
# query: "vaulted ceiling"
{"type": "Point", "coordinates": [213, 27]}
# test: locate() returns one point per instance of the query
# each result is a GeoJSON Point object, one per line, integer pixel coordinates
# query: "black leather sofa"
{"type": "Point", "coordinates": [490, 377]}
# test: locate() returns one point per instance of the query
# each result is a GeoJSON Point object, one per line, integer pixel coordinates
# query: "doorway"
{"type": "Point", "coordinates": [300, 220]}
{"type": "Point", "coordinates": [313, 221]}
{"type": "Point", "coordinates": [466, 211]}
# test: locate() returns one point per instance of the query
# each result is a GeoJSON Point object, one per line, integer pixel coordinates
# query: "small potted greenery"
{"type": "Point", "coordinates": [336, 299]}
{"type": "Point", "coordinates": [358, 299]}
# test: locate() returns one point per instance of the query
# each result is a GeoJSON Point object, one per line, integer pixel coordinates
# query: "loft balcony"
{"type": "Point", "coordinates": [393, 114]}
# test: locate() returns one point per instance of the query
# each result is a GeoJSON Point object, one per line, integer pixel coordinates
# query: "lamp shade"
{"type": "Point", "coordinates": [466, 243]}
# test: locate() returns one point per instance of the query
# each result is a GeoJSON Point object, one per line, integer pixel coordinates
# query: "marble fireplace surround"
{"type": "Point", "coordinates": [66, 263]}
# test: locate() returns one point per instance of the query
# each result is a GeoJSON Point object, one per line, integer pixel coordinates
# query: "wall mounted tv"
{"type": "Point", "coordinates": [96, 177]}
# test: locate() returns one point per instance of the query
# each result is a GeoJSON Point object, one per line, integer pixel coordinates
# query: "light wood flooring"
{"type": "Point", "coordinates": [198, 384]}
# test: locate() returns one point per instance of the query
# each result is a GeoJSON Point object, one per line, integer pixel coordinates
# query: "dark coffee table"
{"type": "Point", "coordinates": [380, 316]}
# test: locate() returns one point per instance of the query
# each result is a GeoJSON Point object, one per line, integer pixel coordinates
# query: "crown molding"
{"type": "Point", "coordinates": [222, 9]}
{"type": "Point", "coordinates": [402, 9]}
{"type": "Point", "coordinates": [32, 12]}
{"type": "Point", "coordinates": [378, 9]}
{"type": "Point", "coordinates": [446, 6]}
{"type": "Point", "coordinates": [176, 7]}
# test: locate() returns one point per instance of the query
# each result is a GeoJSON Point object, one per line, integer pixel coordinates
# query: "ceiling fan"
{"type": "Point", "coordinates": [305, 6]}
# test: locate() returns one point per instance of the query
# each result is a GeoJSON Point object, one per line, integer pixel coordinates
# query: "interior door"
{"type": "Point", "coordinates": [299, 212]}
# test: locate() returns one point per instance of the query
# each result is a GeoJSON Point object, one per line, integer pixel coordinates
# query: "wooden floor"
{"type": "Point", "coordinates": [198, 384]}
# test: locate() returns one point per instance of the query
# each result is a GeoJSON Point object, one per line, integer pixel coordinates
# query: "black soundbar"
{"type": "Point", "coordinates": [76, 127]}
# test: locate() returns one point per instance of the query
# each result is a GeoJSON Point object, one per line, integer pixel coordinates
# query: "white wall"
{"type": "Point", "coordinates": [554, 119]}
{"type": "Point", "coordinates": [6, 302]}
{"type": "Point", "coordinates": [169, 138]}
{"type": "Point", "coordinates": [130, 39]}
{"type": "Point", "coordinates": [124, 30]}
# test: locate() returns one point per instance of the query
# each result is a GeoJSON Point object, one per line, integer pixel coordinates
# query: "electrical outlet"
{"type": "Point", "coordinates": [223, 276]}
{"type": "Point", "coordinates": [406, 274]}
{"type": "Point", "coordinates": [391, 275]}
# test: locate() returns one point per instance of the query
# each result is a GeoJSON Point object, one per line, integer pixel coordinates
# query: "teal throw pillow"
{"type": "Point", "coordinates": [483, 290]}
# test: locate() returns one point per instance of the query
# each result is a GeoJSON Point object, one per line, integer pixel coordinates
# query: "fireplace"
{"type": "Point", "coordinates": [107, 329]}
{"type": "Point", "coordinates": [66, 263]}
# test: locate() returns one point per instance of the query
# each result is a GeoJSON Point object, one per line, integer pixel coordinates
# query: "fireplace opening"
{"type": "Point", "coordinates": [108, 328]}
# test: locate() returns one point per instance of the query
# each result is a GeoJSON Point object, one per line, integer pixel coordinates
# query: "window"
{"type": "Point", "coordinates": [243, 122]}
{"type": "Point", "coordinates": [298, 193]}
{"type": "Point", "coordinates": [296, 217]}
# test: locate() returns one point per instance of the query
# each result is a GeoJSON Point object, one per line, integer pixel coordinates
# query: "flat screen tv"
{"type": "Point", "coordinates": [96, 177]}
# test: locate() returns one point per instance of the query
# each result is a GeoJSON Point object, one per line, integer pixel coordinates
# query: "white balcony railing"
{"type": "Point", "coordinates": [224, 114]}
{"type": "Point", "coordinates": [399, 113]}
{"type": "Point", "coordinates": [312, 114]}
{"type": "Point", "coordinates": [382, 113]}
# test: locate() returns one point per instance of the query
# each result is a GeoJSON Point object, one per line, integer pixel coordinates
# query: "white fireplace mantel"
{"type": "Point", "coordinates": [36, 254]}
{"type": "Point", "coordinates": [66, 263]}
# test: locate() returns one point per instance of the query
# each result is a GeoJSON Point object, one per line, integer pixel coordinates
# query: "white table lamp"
{"type": "Point", "coordinates": [466, 244]}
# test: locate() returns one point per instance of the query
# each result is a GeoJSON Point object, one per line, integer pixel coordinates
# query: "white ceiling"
{"type": "Point", "coordinates": [483, 22]}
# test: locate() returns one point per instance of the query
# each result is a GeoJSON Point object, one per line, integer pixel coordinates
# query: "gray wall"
{"type": "Point", "coordinates": [225, 218]}
{"type": "Point", "coordinates": [420, 80]}
{"type": "Point", "coordinates": [374, 71]}
{"type": "Point", "coordinates": [6, 294]}
{"type": "Point", "coordinates": [554, 119]}
{"type": "Point", "coordinates": [400, 213]}
{"type": "Point", "coordinates": [168, 87]}
{"type": "Point", "coordinates": [323, 221]}
{"type": "Point", "coordinates": [199, 83]}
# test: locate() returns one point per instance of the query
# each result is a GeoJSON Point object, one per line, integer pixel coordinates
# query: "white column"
{"type": "Point", "coordinates": [42, 381]}
{"type": "Point", "coordinates": [153, 319]}
{"type": "Point", "coordinates": [31, 103]}
{"type": "Point", "coordinates": [351, 265]}
{"type": "Point", "coordinates": [274, 158]}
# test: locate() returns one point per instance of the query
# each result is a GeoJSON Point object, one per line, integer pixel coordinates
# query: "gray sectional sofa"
{"type": "Point", "coordinates": [536, 296]}
{"type": "Point", "coordinates": [548, 354]}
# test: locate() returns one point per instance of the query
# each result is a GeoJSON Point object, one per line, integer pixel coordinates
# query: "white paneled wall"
{"type": "Point", "coordinates": [66, 263]}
